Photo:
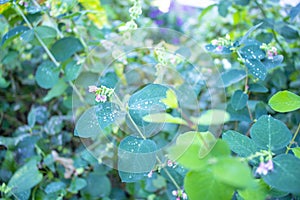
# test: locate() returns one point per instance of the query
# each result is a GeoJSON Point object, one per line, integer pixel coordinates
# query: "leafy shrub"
{"type": "Point", "coordinates": [93, 107]}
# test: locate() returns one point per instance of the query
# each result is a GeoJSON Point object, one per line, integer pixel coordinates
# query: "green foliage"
{"type": "Point", "coordinates": [285, 101]}
{"type": "Point", "coordinates": [174, 120]}
{"type": "Point", "coordinates": [270, 133]}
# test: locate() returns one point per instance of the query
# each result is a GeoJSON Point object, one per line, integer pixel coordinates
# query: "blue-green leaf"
{"type": "Point", "coordinates": [270, 133]}
{"type": "Point", "coordinates": [87, 125]}
{"type": "Point", "coordinates": [77, 184]}
{"type": "Point", "coordinates": [230, 77]}
{"type": "Point", "coordinates": [147, 101]}
{"type": "Point", "coordinates": [255, 87]}
{"type": "Point", "coordinates": [107, 113]}
{"type": "Point", "coordinates": [256, 68]}
{"type": "Point", "coordinates": [25, 178]}
{"type": "Point", "coordinates": [273, 62]}
{"type": "Point", "coordinates": [47, 75]}
{"type": "Point", "coordinates": [239, 100]}
{"type": "Point", "coordinates": [252, 52]}
{"type": "Point", "coordinates": [295, 11]}
{"type": "Point", "coordinates": [136, 157]}
{"type": "Point", "coordinates": [13, 33]}
{"type": "Point", "coordinates": [72, 70]}
{"type": "Point", "coordinates": [57, 90]}
{"type": "Point", "coordinates": [55, 187]}
{"type": "Point", "coordinates": [65, 48]}
{"type": "Point", "coordinates": [286, 174]}
{"type": "Point", "coordinates": [239, 143]}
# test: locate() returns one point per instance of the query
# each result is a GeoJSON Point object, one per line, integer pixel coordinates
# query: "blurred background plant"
{"type": "Point", "coordinates": [45, 49]}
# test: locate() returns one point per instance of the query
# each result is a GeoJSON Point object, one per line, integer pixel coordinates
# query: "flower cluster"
{"type": "Point", "coordinates": [221, 42]}
{"type": "Point", "coordinates": [179, 194]}
{"type": "Point", "coordinates": [264, 168]}
{"type": "Point", "coordinates": [270, 49]}
{"type": "Point", "coordinates": [102, 93]}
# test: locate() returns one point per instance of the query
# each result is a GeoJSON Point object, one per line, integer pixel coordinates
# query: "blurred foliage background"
{"type": "Point", "coordinates": [36, 117]}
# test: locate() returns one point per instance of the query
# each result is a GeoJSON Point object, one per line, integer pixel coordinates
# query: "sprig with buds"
{"type": "Point", "coordinates": [102, 93]}
{"type": "Point", "coordinates": [221, 42]}
{"type": "Point", "coordinates": [270, 50]}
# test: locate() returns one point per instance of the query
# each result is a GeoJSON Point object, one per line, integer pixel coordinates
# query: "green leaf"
{"type": "Point", "coordinates": [25, 178]}
{"type": "Point", "coordinates": [164, 118]}
{"type": "Point", "coordinates": [47, 34]}
{"type": "Point", "coordinates": [212, 117]}
{"type": "Point", "coordinates": [239, 143]}
{"type": "Point", "coordinates": [287, 31]}
{"type": "Point", "coordinates": [270, 133]}
{"type": "Point", "coordinates": [294, 11]}
{"type": "Point", "coordinates": [72, 71]}
{"type": "Point", "coordinates": [252, 52]}
{"type": "Point", "coordinates": [193, 149]}
{"type": "Point", "coordinates": [57, 90]}
{"type": "Point", "coordinates": [97, 185]}
{"type": "Point", "coordinates": [171, 99]}
{"type": "Point", "coordinates": [136, 157]}
{"type": "Point", "coordinates": [260, 191]}
{"type": "Point", "coordinates": [238, 174]}
{"type": "Point", "coordinates": [88, 125]}
{"type": "Point", "coordinates": [31, 118]}
{"type": "Point", "coordinates": [65, 48]}
{"type": "Point", "coordinates": [47, 75]}
{"type": "Point", "coordinates": [12, 34]}
{"type": "Point", "coordinates": [147, 101]}
{"type": "Point", "coordinates": [256, 68]}
{"type": "Point", "coordinates": [242, 2]}
{"type": "Point", "coordinates": [203, 185]}
{"type": "Point", "coordinates": [27, 36]}
{"type": "Point", "coordinates": [55, 187]}
{"type": "Point", "coordinates": [284, 101]}
{"type": "Point", "coordinates": [239, 100]}
{"type": "Point", "coordinates": [286, 174]}
{"type": "Point", "coordinates": [296, 151]}
{"type": "Point", "coordinates": [223, 8]}
{"type": "Point", "coordinates": [230, 77]}
{"type": "Point", "coordinates": [255, 87]}
{"type": "Point", "coordinates": [108, 113]}
{"type": "Point", "coordinates": [77, 184]}
{"type": "Point", "coordinates": [253, 28]}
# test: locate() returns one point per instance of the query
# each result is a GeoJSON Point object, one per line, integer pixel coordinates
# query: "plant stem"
{"type": "Point", "coordinates": [293, 139]}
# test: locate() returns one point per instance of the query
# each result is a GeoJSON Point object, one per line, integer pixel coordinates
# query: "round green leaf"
{"type": "Point", "coordinates": [239, 100]}
{"type": "Point", "coordinates": [65, 48]}
{"type": "Point", "coordinates": [233, 172]}
{"type": "Point", "coordinates": [98, 185]}
{"type": "Point", "coordinates": [47, 75]}
{"type": "Point", "coordinates": [285, 101]}
{"type": "Point", "coordinates": [270, 133]}
{"type": "Point", "coordinates": [239, 143]}
{"type": "Point", "coordinates": [203, 185]}
{"type": "Point", "coordinates": [77, 184]}
{"type": "Point", "coordinates": [286, 174]}
{"type": "Point", "coordinates": [136, 157]}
